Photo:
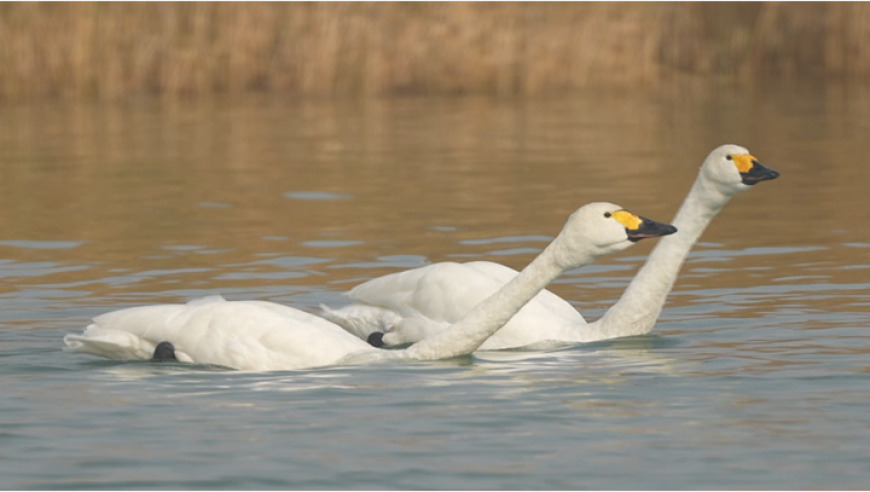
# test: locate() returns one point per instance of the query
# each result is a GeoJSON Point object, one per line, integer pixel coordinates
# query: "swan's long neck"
{"type": "Point", "coordinates": [486, 318]}
{"type": "Point", "coordinates": [639, 307]}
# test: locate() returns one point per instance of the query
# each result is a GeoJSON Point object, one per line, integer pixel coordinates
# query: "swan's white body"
{"type": "Point", "coordinates": [415, 304]}
{"type": "Point", "coordinates": [261, 336]}
{"type": "Point", "coordinates": [250, 335]}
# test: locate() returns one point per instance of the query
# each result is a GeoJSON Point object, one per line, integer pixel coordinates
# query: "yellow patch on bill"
{"type": "Point", "coordinates": [629, 220]}
{"type": "Point", "coordinates": [744, 162]}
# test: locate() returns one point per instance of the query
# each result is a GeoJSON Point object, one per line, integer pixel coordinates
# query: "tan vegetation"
{"type": "Point", "coordinates": [111, 50]}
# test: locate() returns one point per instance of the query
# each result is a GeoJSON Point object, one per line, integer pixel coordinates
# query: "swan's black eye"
{"type": "Point", "coordinates": [607, 215]}
{"type": "Point", "coordinates": [728, 157]}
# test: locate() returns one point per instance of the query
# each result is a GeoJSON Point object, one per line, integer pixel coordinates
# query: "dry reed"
{"type": "Point", "coordinates": [111, 50]}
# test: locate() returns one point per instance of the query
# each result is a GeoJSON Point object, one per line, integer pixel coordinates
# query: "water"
{"type": "Point", "coordinates": [757, 375]}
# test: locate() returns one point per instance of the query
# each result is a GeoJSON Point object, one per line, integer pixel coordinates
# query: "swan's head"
{"type": "Point", "coordinates": [732, 168]}
{"type": "Point", "coordinates": [602, 228]}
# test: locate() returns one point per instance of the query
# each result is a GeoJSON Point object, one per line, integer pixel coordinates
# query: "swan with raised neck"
{"type": "Point", "coordinates": [259, 335]}
{"type": "Point", "coordinates": [727, 171]}
{"type": "Point", "coordinates": [408, 306]}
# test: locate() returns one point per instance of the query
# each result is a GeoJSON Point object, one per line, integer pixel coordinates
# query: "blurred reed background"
{"type": "Point", "coordinates": [115, 50]}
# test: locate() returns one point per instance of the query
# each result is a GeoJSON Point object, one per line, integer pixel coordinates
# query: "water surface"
{"type": "Point", "coordinates": [755, 377]}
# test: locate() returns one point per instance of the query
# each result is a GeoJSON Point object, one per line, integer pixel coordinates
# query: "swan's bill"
{"type": "Point", "coordinates": [626, 218]}
{"type": "Point", "coordinates": [751, 171]}
{"type": "Point", "coordinates": [638, 227]}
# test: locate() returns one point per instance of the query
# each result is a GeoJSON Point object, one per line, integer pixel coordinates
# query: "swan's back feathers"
{"type": "Point", "coordinates": [415, 304]}
{"type": "Point", "coordinates": [553, 304]}
{"type": "Point", "coordinates": [247, 335]}
{"type": "Point", "coordinates": [445, 291]}
{"type": "Point", "coordinates": [440, 292]}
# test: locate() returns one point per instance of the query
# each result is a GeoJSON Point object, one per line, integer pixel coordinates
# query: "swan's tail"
{"type": "Point", "coordinates": [112, 344]}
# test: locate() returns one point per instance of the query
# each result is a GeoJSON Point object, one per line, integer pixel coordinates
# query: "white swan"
{"type": "Point", "coordinates": [260, 336]}
{"type": "Point", "coordinates": [405, 307]}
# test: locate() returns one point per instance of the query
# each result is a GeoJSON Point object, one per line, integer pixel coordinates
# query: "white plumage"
{"type": "Point", "coordinates": [259, 335]}
{"type": "Point", "coordinates": [412, 305]}
{"type": "Point", "coordinates": [250, 335]}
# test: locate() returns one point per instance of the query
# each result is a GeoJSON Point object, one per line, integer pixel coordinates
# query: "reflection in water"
{"type": "Point", "coordinates": [236, 179]}
{"type": "Point", "coordinates": [179, 198]}
{"type": "Point", "coordinates": [756, 376]}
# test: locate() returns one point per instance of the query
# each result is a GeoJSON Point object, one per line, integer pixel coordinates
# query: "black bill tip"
{"type": "Point", "coordinates": [758, 173]}
{"type": "Point", "coordinates": [649, 228]}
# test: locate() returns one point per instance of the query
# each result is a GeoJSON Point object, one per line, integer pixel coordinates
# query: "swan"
{"type": "Point", "coordinates": [409, 306]}
{"type": "Point", "coordinates": [265, 336]}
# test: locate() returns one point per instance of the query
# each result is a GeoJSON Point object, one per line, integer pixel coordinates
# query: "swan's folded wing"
{"type": "Point", "coordinates": [550, 302]}
{"type": "Point", "coordinates": [427, 299]}
{"type": "Point", "coordinates": [125, 334]}
{"type": "Point", "coordinates": [247, 335]}
{"type": "Point", "coordinates": [108, 343]}
{"type": "Point", "coordinates": [441, 292]}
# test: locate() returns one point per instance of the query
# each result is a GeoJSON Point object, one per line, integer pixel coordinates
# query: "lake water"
{"type": "Point", "coordinates": [757, 375]}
